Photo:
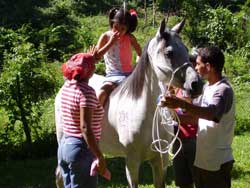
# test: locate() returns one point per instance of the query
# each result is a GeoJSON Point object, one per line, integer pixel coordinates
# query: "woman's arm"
{"type": "Point", "coordinates": [85, 125]}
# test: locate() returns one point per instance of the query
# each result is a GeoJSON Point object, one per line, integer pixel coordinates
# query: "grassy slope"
{"type": "Point", "coordinates": [40, 173]}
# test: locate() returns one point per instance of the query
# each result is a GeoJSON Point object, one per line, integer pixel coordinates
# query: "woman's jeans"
{"type": "Point", "coordinates": [75, 160]}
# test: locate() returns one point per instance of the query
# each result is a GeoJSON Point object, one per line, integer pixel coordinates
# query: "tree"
{"type": "Point", "coordinates": [24, 82]}
{"type": "Point", "coordinates": [145, 12]}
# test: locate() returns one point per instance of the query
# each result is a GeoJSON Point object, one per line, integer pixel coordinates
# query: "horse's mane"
{"type": "Point", "coordinates": [133, 85]}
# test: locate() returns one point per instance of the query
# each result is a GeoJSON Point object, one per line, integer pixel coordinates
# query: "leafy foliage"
{"type": "Point", "coordinates": [217, 26]}
{"type": "Point", "coordinates": [22, 83]}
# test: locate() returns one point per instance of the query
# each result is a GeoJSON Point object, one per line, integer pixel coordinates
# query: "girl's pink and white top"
{"type": "Point", "coordinates": [118, 59]}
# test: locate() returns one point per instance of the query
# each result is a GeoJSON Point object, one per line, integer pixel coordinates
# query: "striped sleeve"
{"type": "Point", "coordinates": [88, 97]}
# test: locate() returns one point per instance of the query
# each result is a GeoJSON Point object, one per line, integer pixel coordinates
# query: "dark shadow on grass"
{"type": "Point", "coordinates": [28, 173]}
{"type": "Point", "coordinates": [40, 173]}
{"type": "Point", "coordinates": [117, 169]}
{"type": "Point", "coordinates": [118, 175]}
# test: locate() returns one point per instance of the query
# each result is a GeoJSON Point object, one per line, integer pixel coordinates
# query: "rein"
{"type": "Point", "coordinates": [173, 72]}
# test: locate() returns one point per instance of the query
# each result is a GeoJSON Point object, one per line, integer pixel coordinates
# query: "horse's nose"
{"type": "Point", "coordinates": [196, 88]}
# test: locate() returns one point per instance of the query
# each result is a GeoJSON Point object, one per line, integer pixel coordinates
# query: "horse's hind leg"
{"type": "Point", "coordinates": [159, 167]}
{"type": "Point", "coordinates": [132, 172]}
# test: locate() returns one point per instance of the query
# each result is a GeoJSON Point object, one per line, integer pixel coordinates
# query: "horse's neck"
{"type": "Point", "coordinates": [152, 85]}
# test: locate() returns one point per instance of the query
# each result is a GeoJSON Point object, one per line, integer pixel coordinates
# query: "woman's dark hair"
{"type": "Point", "coordinates": [214, 56]}
{"type": "Point", "coordinates": [124, 17]}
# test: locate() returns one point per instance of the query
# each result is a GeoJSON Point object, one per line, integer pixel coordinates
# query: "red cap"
{"type": "Point", "coordinates": [82, 64]}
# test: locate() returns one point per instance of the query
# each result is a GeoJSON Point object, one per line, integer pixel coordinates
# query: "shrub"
{"type": "Point", "coordinates": [23, 84]}
{"type": "Point", "coordinates": [237, 68]}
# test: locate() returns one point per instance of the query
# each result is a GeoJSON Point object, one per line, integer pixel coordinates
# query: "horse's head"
{"type": "Point", "coordinates": [170, 60]}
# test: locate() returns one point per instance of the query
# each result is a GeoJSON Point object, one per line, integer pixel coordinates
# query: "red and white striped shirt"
{"type": "Point", "coordinates": [76, 95]}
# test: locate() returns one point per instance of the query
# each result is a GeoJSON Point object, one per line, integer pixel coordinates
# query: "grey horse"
{"type": "Point", "coordinates": [127, 124]}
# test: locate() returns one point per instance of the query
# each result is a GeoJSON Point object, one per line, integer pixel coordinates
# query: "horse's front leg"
{"type": "Point", "coordinates": [132, 171]}
{"type": "Point", "coordinates": [159, 167]}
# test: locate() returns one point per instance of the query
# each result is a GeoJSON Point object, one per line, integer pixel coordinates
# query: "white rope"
{"type": "Point", "coordinates": [173, 73]}
{"type": "Point", "coordinates": [168, 119]}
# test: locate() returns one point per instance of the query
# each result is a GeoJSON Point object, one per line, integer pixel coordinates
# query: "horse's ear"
{"type": "Point", "coordinates": [162, 30]}
{"type": "Point", "coordinates": [162, 27]}
{"type": "Point", "coordinates": [178, 27]}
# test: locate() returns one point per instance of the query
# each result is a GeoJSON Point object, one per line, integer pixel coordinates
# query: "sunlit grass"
{"type": "Point", "coordinates": [241, 171]}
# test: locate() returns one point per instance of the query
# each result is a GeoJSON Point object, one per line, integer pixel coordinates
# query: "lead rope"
{"type": "Point", "coordinates": [168, 119]}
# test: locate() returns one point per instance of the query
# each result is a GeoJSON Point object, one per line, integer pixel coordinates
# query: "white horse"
{"type": "Point", "coordinates": [127, 125]}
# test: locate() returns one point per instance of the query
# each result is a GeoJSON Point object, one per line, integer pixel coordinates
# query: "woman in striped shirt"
{"type": "Point", "coordinates": [81, 118]}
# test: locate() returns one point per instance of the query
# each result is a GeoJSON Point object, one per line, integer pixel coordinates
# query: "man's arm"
{"type": "Point", "coordinates": [208, 113]}
{"type": "Point", "coordinates": [188, 119]}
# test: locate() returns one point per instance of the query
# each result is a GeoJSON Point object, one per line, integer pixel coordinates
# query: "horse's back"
{"type": "Point", "coordinates": [96, 81]}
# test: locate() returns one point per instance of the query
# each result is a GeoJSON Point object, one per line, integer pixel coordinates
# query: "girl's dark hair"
{"type": "Point", "coordinates": [124, 17]}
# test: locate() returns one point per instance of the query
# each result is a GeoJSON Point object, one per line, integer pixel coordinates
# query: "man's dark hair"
{"type": "Point", "coordinates": [214, 56]}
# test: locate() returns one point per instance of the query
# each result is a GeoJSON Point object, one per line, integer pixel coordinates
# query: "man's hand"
{"type": "Point", "coordinates": [172, 102]}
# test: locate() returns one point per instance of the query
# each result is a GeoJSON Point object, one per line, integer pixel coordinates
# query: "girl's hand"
{"type": "Point", "coordinates": [115, 36]}
{"type": "Point", "coordinates": [92, 50]}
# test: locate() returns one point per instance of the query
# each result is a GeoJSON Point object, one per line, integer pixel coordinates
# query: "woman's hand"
{"type": "Point", "coordinates": [101, 165]}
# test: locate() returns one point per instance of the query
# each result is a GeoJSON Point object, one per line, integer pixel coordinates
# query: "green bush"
{"type": "Point", "coordinates": [237, 69]}
{"type": "Point", "coordinates": [217, 26]}
{"type": "Point", "coordinates": [242, 107]}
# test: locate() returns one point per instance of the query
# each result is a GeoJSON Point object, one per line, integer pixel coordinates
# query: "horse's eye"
{"type": "Point", "coordinates": [169, 52]}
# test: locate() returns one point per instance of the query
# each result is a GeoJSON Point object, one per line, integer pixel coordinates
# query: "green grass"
{"type": "Point", "coordinates": [241, 171]}
{"type": "Point", "coordinates": [40, 173]}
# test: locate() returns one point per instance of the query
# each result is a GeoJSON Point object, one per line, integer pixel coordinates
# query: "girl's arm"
{"type": "Point", "coordinates": [136, 46]}
{"type": "Point", "coordinates": [104, 44]}
{"type": "Point", "coordinates": [85, 125]}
